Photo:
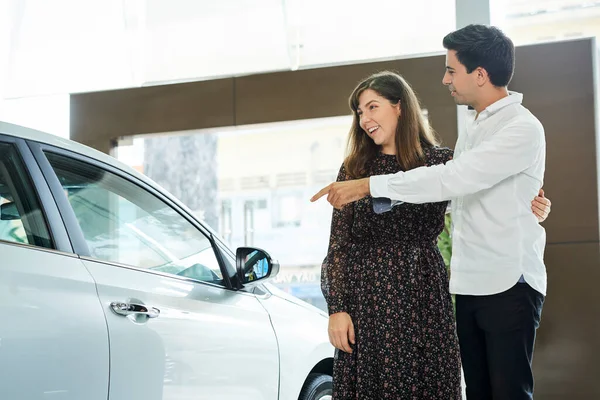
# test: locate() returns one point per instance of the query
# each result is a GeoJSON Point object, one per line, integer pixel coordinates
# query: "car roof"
{"type": "Point", "coordinates": [34, 135]}
{"type": "Point", "coordinates": [57, 141]}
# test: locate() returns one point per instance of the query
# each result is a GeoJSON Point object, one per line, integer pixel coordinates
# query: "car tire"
{"type": "Point", "coordinates": [317, 387]}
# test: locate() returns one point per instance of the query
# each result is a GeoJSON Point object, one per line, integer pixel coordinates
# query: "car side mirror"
{"type": "Point", "coordinates": [254, 265]}
{"type": "Point", "coordinates": [9, 212]}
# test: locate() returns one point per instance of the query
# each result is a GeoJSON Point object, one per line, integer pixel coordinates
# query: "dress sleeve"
{"type": "Point", "coordinates": [444, 155]}
{"type": "Point", "coordinates": [335, 271]}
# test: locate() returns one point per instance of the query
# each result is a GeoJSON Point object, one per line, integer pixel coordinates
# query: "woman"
{"type": "Point", "coordinates": [384, 278]}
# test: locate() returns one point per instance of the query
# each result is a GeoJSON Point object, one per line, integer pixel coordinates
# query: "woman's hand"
{"type": "Point", "coordinates": [341, 331]}
{"type": "Point", "coordinates": [541, 206]}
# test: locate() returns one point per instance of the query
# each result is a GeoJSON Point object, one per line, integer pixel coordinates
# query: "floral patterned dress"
{"type": "Point", "coordinates": [386, 271]}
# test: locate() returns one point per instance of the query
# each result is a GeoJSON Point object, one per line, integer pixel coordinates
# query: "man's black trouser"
{"type": "Point", "coordinates": [496, 335]}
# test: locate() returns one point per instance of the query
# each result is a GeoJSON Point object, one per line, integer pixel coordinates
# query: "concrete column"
{"type": "Point", "coordinates": [470, 12]}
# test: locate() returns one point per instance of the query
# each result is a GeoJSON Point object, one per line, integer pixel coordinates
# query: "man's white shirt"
{"type": "Point", "coordinates": [498, 168]}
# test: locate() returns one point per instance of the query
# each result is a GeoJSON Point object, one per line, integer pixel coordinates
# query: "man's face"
{"type": "Point", "coordinates": [462, 85]}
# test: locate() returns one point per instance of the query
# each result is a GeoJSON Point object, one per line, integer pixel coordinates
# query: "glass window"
{"type": "Point", "coordinates": [533, 21]}
{"type": "Point", "coordinates": [288, 209]}
{"type": "Point", "coordinates": [123, 223]}
{"type": "Point", "coordinates": [100, 45]}
{"type": "Point", "coordinates": [21, 220]}
{"type": "Point", "coordinates": [326, 32]}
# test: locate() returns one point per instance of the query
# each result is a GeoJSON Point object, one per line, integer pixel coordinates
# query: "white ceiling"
{"type": "Point", "coordinates": [67, 46]}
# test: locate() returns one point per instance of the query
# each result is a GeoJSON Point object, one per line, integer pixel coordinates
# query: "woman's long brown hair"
{"type": "Point", "coordinates": [412, 133]}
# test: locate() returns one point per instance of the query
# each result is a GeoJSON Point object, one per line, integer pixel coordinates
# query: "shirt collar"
{"type": "Point", "coordinates": [512, 98]}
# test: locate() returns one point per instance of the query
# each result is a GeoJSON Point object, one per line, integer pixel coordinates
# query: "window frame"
{"type": "Point", "coordinates": [80, 246]}
{"type": "Point", "coordinates": [47, 207]}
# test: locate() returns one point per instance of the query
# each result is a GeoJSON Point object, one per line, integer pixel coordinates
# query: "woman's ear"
{"type": "Point", "coordinates": [398, 109]}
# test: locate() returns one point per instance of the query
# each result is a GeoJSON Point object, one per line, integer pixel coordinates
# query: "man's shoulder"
{"type": "Point", "coordinates": [519, 116]}
{"type": "Point", "coordinates": [532, 119]}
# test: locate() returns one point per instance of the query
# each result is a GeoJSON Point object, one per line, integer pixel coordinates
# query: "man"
{"type": "Point", "coordinates": [497, 268]}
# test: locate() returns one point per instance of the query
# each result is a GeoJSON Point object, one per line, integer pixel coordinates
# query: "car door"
{"type": "Point", "coordinates": [177, 331]}
{"type": "Point", "coordinates": [53, 334]}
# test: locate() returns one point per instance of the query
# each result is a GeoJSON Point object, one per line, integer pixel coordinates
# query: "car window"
{"type": "Point", "coordinates": [228, 258]}
{"type": "Point", "coordinates": [21, 220]}
{"type": "Point", "coordinates": [124, 223]}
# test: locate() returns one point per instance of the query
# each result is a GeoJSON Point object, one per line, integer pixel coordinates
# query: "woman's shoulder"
{"type": "Point", "coordinates": [438, 155]}
{"type": "Point", "coordinates": [343, 174]}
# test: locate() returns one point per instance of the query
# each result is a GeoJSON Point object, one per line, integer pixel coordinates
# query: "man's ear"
{"type": "Point", "coordinates": [481, 76]}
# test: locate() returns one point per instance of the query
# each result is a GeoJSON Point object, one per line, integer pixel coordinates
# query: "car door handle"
{"type": "Point", "coordinates": [126, 309]}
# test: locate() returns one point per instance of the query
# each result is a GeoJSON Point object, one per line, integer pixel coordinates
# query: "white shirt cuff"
{"type": "Point", "coordinates": [378, 186]}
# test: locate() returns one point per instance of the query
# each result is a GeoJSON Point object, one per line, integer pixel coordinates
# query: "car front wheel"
{"type": "Point", "coordinates": [317, 387]}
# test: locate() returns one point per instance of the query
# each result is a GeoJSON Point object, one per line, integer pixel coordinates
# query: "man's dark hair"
{"type": "Point", "coordinates": [486, 47]}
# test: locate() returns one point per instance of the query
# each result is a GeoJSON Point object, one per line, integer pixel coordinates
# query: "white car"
{"type": "Point", "coordinates": [111, 289]}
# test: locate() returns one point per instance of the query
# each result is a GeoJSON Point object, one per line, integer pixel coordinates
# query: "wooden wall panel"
{"type": "Point", "coordinates": [105, 116]}
{"type": "Point", "coordinates": [557, 82]}
{"type": "Point", "coordinates": [324, 92]}
{"type": "Point", "coordinates": [568, 343]}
